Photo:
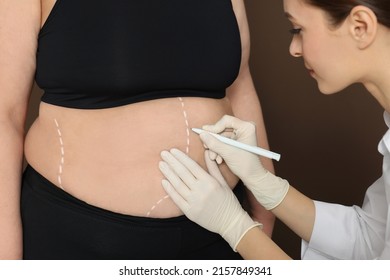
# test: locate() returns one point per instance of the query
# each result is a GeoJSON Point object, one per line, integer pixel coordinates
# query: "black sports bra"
{"type": "Point", "coordinates": [96, 54]}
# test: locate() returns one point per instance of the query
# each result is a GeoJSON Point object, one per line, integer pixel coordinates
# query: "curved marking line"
{"type": "Point", "coordinates": [62, 159]}
{"type": "Point", "coordinates": [185, 115]}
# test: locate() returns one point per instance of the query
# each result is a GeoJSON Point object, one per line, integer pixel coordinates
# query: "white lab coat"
{"type": "Point", "coordinates": [342, 232]}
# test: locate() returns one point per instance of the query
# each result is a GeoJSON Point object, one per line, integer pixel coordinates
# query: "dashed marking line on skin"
{"type": "Point", "coordinates": [185, 115]}
{"type": "Point", "coordinates": [157, 203]}
{"type": "Point", "coordinates": [187, 124]}
{"type": "Point", "coordinates": [62, 160]}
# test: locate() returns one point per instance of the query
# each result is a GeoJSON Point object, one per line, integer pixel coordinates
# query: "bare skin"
{"type": "Point", "coordinates": [112, 168]}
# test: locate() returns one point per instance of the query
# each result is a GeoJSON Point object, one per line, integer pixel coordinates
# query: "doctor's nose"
{"type": "Point", "coordinates": [296, 47]}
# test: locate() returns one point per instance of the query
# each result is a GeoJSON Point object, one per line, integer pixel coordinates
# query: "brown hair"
{"type": "Point", "coordinates": [338, 10]}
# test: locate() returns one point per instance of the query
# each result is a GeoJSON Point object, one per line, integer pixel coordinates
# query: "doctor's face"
{"type": "Point", "coordinates": [326, 50]}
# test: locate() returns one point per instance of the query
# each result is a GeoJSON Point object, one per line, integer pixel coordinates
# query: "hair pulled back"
{"type": "Point", "coordinates": [338, 10]}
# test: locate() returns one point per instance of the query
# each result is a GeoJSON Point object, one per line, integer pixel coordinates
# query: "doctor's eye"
{"type": "Point", "coordinates": [295, 31]}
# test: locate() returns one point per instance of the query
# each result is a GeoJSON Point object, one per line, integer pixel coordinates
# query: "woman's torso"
{"type": "Point", "coordinates": [115, 97]}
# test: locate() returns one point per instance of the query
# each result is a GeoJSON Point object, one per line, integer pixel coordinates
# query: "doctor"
{"type": "Point", "coordinates": [341, 42]}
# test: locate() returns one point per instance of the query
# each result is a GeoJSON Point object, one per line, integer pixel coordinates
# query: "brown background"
{"type": "Point", "coordinates": [328, 143]}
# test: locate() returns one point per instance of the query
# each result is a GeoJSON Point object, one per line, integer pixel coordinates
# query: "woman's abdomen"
{"type": "Point", "coordinates": [109, 157]}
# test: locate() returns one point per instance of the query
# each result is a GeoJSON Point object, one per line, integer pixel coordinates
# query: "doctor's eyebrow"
{"type": "Point", "coordinates": [288, 15]}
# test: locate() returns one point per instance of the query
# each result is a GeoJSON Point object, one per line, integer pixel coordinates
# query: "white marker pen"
{"type": "Point", "coordinates": [253, 149]}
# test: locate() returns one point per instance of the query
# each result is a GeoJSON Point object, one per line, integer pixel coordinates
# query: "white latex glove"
{"type": "Point", "coordinates": [268, 189]}
{"type": "Point", "coordinates": [204, 198]}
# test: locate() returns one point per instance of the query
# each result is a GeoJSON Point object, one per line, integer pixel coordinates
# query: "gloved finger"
{"type": "Point", "coordinates": [179, 168]}
{"type": "Point", "coordinates": [175, 194]}
{"type": "Point", "coordinates": [214, 156]}
{"type": "Point", "coordinates": [219, 159]}
{"type": "Point", "coordinates": [232, 134]}
{"type": "Point", "coordinates": [241, 129]}
{"type": "Point", "coordinates": [215, 145]}
{"type": "Point", "coordinates": [214, 171]}
{"type": "Point", "coordinates": [190, 164]}
{"type": "Point", "coordinates": [226, 122]}
{"type": "Point", "coordinates": [174, 180]}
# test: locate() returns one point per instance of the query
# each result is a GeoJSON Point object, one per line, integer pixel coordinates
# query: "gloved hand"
{"type": "Point", "coordinates": [268, 189]}
{"type": "Point", "coordinates": [204, 198]}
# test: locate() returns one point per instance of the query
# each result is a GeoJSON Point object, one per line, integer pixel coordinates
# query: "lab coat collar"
{"type": "Point", "coordinates": [384, 145]}
{"type": "Point", "coordinates": [386, 116]}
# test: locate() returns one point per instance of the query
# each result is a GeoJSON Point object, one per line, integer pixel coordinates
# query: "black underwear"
{"type": "Point", "coordinates": [59, 226]}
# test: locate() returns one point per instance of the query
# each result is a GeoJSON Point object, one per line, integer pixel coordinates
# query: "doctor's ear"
{"type": "Point", "coordinates": [363, 26]}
